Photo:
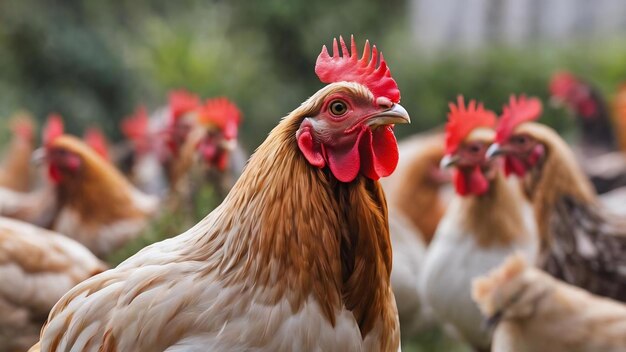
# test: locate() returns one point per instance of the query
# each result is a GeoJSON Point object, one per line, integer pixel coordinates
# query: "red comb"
{"type": "Point", "coordinates": [135, 126]}
{"type": "Point", "coordinates": [222, 113]}
{"type": "Point", "coordinates": [562, 83]}
{"type": "Point", "coordinates": [181, 102]}
{"type": "Point", "coordinates": [519, 110]}
{"type": "Point", "coordinates": [53, 129]}
{"type": "Point", "coordinates": [349, 67]}
{"type": "Point", "coordinates": [462, 120]}
{"type": "Point", "coordinates": [97, 141]}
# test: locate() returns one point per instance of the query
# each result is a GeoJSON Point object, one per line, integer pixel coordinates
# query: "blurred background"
{"type": "Point", "coordinates": [93, 61]}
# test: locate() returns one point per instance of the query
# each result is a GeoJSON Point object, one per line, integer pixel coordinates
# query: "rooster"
{"type": "Point", "coordinates": [534, 312]}
{"type": "Point", "coordinates": [211, 152]}
{"type": "Point", "coordinates": [297, 257]}
{"type": "Point", "coordinates": [146, 169]}
{"type": "Point", "coordinates": [96, 205]}
{"type": "Point", "coordinates": [15, 171]}
{"type": "Point", "coordinates": [483, 224]}
{"type": "Point", "coordinates": [37, 267]}
{"type": "Point", "coordinates": [598, 148]}
{"type": "Point", "coordinates": [580, 243]}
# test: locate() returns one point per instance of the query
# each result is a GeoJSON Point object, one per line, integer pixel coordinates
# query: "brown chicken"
{"type": "Point", "coordinates": [580, 242]}
{"type": "Point", "coordinates": [297, 257]}
{"type": "Point", "coordinates": [37, 267]}
{"type": "Point", "coordinates": [95, 204]}
{"type": "Point", "coordinates": [536, 313]}
{"type": "Point", "coordinates": [15, 171]}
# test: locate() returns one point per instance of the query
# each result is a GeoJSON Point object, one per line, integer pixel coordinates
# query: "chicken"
{"type": "Point", "coordinates": [598, 148]}
{"type": "Point", "coordinates": [536, 313]}
{"type": "Point", "coordinates": [96, 205]}
{"type": "Point", "coordinates": [486, 221]}
{"type": "Point", "coordinates": [580, 242]}
{"type": "Point", "coordinates": [591, 112]}
{"type": "Point", "coordinates": [210, 152]}
{"type": "Point", "coordinates": [146, 169]}
{"type": "Point", "coordinates": [417, 187]}
{"type": "Point", "coordinates": [15, 171]}
{"type": "Point", "coordinates": [37, 267]}
{"type": "Point", "coordinates": [297, 257]}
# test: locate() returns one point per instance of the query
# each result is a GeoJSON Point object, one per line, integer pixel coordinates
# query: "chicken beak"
{"type": "Point", "coordinates": [494, 150]}
{"type": "Point", "coordinates": [38, 156]}
{"type": "Point", "coordinates": [396, 114]}
{"type": "Point", "coordinates": [448, 160]}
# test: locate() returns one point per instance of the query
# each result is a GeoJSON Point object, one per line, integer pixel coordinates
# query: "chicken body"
{"type": "Point", "coordinates": [581, 242]}
{"type": "Point", "coordinates": [538, 313]}
{"type": "Point", "coordinates": [474, 236]}
{"type": "Point", "coordinates": [97, 206]}
{"type": "Point", "coordinates": [37, 267]}
{"type": "Point", "coordinates": [266, 271]}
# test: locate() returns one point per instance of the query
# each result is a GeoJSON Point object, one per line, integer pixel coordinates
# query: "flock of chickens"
{"type": "Point", "coordinates": [494, 228]}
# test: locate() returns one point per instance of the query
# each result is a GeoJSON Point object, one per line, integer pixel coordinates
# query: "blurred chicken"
{"type": "Point", "coordinates": [580, 243]}
{"type": "Point", "coordinates": [598, 148]}
{"type": "Point", "coordinates": [37, 267]}
{"type": "Point", "coordinates": [487, 220]}
{"type": "Point", "coordinates": [96, 205]}
{"type": "Point", "coordinates": [297, 257]}
{"type": "Point", "coordinates": [210, 152]}
{"type": "Point", "coordinates": [146, 170]}
{"type": "Point", "coordinates": [417, 188]}
{"type": "Point", "coordinates": [15, 171]}
{"type": "Point", "coordinates": [536, 313]}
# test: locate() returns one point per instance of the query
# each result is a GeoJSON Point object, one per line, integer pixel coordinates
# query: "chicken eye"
{"type": "Point", "coordinates": [475, 148]}
{"type": "Point", "coordinates": [519, 140]}
{"type": "Point", "coordinates": [338, 107]}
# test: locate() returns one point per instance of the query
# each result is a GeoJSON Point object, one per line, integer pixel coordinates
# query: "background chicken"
{"type": "Point", "coordinates": [486, 221]}
{"type": "Point", "coordinates": [95, 204]}
{"type": "Point", "coordinates": [581, 243]}
{"type": "Point", "coordinates": [210, 151]}
{"type": "Point", "coordinates": [598, 147]}
{"type": "Point", "coordinates": [15, 171]}
{"type": "Point", "coordinates": [536, 313]}
{"type": "Point", "coordinates": [269, 269]}
{"type": "Point", "coordinates": [37, 267]}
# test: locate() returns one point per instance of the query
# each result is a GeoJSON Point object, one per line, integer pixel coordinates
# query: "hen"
{"type": "Point", "coordinates": [95, 204]}
{"type": "Point", "coordinates": [486, 221]}
{"type": "Point", "coordinates": [37, 267]}
{"type": "Point", "coordinates": [297, 257]}
{"type": "Point", "coordinates": [536, 313]}
{"type": "Point", "coordinates": [580, 243]}
{"type": "Point", "coordinates": [15, 171]}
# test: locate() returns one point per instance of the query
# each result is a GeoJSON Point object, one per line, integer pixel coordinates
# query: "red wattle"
{"type": "Point", "coordinates": [470, 182]}
{"type": "Point", "coordinates": [54, 173]}
{"type": "Point", "coordinates": [514, 166]}
{"type": "Point", "coordinates": [345, 163]}
{"type": "Point", "coordinates": [379, 150]}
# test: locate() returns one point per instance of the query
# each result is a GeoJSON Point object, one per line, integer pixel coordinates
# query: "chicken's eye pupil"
{"type": "Point", "coordinates": [338, 108]}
